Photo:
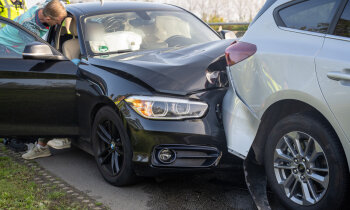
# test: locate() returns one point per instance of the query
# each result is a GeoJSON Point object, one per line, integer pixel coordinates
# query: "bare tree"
{"type": "Point", "coordinates": [191, 5]}
{"type": "Point", "coordinates": [230, 10]}
{"type": "Point", "coordinates": [203, 7]}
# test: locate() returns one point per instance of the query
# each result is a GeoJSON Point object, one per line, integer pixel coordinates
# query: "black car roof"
{"type": "Point", "coordinates": [109, 7]}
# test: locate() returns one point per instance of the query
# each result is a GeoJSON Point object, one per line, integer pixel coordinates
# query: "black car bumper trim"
{"type": "Point", "coordinates": [188, 156]}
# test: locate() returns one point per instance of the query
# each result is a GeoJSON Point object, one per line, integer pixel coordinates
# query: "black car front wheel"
{"type": "Point", "coordinates": [305, 164]}
{"type": "Point", "coordinates": [112, 148]}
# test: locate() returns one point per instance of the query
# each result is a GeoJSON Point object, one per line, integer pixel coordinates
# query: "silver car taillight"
{"type": "Point", "coordinates": [238, 52]}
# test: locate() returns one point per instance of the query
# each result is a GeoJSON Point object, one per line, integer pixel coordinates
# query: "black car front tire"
{"type": "Point", "coordinates": [112, 148]}
{"type": "Point", "coordinates": [306, 177]}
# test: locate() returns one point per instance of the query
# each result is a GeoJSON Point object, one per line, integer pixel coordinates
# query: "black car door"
{"type": "Point", "coordinates": [37, 96]}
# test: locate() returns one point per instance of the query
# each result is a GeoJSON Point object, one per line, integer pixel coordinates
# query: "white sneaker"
{"type": "Point", "coordinates": [37, 152]}
{"type": "Point", "coordinates": [59, 143]}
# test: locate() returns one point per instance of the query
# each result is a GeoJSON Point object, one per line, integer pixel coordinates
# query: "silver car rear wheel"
{"type": "Point", "coordinates": [301, 168]}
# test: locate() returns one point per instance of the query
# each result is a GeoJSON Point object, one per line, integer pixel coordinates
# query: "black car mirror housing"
{"type": "Point", "coordinates": [40, 51]}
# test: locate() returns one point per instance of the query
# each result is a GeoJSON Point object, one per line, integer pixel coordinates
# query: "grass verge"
{"type": "Point", "coordinates": [19, 191]}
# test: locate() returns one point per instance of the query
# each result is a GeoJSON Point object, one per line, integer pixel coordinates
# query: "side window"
{"type": "Point", "coordinates": [311, 15]}
{"type": "Point", "coordinates": [343, 25]}
{"type": "Point", "coordinates": [13, 40]}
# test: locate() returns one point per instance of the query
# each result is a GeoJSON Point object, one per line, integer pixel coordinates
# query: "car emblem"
{"type": "Point", "coordinates": [112, 145]}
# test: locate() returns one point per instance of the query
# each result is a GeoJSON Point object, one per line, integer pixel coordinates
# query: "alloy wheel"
{"type": "Point", "coordinates": [110, 148]}
{"type": "Point", "coordinates": [301, 168]}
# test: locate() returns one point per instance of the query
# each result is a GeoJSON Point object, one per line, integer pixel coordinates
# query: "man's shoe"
{"type": "Point", "coordinates": [37, 152]}
{"type": "Point", "coordinates": [59, 143]}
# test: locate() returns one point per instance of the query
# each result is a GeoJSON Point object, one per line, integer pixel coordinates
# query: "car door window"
{"type": "Point", "coordinates": [312, 15]}
{"type": "Point", "coordinates": [343, 25]}
{"type": "Point", "coordinates": [13, 40]}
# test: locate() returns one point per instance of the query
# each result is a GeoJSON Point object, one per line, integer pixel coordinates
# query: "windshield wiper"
{"type": "Point", "coordinates": [122, 51]}
{"type": "Point", "coordinates": [115, 52]}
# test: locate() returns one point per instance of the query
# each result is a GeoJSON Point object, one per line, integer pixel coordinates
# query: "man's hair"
{"type": "Point", "coordinates": [54, 9]}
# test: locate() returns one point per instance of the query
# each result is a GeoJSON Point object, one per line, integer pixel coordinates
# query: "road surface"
{"type": "Point", "coordinates": [217, 190]}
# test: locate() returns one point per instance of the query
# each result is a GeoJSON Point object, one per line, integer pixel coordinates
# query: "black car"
{"type": "Point", "coordinates": [138, 85]}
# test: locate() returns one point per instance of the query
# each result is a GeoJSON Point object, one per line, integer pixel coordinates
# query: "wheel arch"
{"type": "Point", "coordinates": [98, 106]}
{"type": "Point", "coordinates": [278, 111]}
{"type": "Point", "coordinates": [116, 106]}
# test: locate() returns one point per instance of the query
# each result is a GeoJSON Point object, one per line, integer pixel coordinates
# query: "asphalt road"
{"type": "Point", "coordinates": [218, 190]}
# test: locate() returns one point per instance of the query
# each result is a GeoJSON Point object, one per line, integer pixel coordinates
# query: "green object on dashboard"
{"type": "Point", "coordinates": [103, 49]}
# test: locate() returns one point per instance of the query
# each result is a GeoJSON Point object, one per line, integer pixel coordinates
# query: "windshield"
{"type": "Point", "coordinates": [144, 30]}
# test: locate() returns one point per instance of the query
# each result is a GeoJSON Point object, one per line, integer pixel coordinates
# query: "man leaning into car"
{"type": "Point", "coordinates": [38, 20]}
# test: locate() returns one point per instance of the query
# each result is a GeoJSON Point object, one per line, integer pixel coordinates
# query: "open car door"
{"type": "Point", "coordinates": [37, 88]}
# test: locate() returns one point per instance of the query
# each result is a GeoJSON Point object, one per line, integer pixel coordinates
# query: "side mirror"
{"type": "Point", "coordinates": [40, 51]}
{"type": "Point", "coordinates": [226, 34]}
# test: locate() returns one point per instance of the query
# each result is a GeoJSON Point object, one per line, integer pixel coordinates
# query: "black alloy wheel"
{"type": "Point", "coordinates": [305, 164]}
{"type": "Point", "coordinates": [112, 148]}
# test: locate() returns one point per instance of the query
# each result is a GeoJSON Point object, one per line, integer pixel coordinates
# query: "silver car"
{"type": "Point", "coordinates": [289, 105]}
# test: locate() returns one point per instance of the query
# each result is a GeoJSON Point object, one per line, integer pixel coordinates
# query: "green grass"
{"type": "Point", "coordinates": [56, 195]}
{"type": "Point", "coordinates": [19, 191]}
{"type": "Point", "coordinates": [98, 204]}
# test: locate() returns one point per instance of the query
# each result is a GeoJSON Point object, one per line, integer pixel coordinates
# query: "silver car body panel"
{"type": "Point", "coordinates": [237, 115]}
{"type": "Point", "coordinates": [283, 68]}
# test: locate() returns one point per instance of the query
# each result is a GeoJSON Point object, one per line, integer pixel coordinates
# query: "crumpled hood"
{"type": "Point", "coordinates": [173, 70]}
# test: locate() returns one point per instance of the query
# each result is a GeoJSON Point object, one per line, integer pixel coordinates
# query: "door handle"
{"type": "Point", "coordinates": [336, 75]}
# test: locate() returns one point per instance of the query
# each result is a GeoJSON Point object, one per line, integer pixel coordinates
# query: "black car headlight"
{"type": "Point", "coordinates": [166, 108]}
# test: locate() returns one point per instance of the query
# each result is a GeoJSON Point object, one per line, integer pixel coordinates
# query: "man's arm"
{"type": "Point", "coordinates": [31, 27]}
{"type": "Point", "coordinates": [24, 36]}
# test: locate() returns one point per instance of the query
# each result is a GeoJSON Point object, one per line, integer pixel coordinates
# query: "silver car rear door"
{"type": "Point", "coordinates": [333, 70]}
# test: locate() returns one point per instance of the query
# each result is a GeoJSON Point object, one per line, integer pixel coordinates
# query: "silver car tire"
{"type": "Point", "coordinates": [305, 164]}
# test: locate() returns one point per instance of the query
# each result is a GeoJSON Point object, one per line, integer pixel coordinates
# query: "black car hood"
{"type": "Point", "coordinates": [172, 70]}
